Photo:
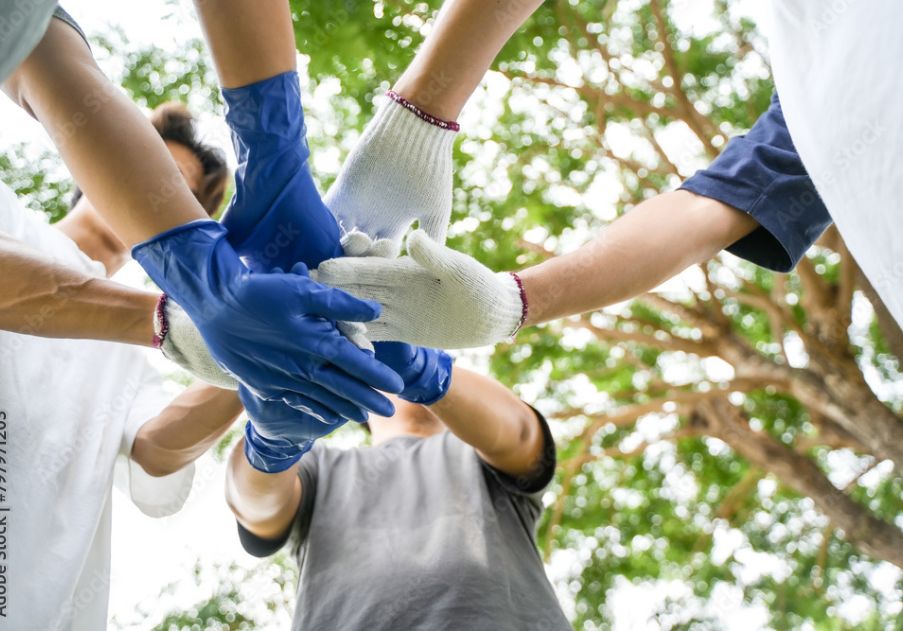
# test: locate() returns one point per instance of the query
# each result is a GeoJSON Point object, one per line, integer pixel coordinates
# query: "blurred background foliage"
{"type": "Point", "coordinates": [728, 444]}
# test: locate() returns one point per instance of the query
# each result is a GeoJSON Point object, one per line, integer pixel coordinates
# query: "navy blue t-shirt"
{"type": "Point", "coordinates": [762, 174]}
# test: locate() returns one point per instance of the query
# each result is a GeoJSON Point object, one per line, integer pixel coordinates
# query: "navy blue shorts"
{"type": "Point", "coordinates": [762, 174]}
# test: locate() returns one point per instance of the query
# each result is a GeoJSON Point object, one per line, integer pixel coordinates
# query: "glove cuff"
{"type": "Point", "coordinates": [434, 380]}
{"type": "Point", "coordinates": [272, 455]}
{"type": "Point", "coordinates": [409, 141]}
{"type": "Point", "coordinates": [509, 312]}
{"type": "Point", "coordinates": [181, 343]}
{"type": "Point", "coordinates": [159, 255]}
{"type": "Point", "coordinates": [421, 114]}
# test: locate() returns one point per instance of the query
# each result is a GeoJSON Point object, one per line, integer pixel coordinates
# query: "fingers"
{"type": "Point", "coordinates": [356, 243]}
{"type": "Point", "coordinates": [386, 248]}
{"type": "Point", "coordinates": [428, 253]}
{"type": "Point", "coordinates": [360, 365]}
{"type": "Point", "coordinates": [318, 398]}
{"type": "Point", "coordinates": [367, 271]}
{"type": "Point", "coordinates": [357, 392]}
{"type": "Point", "coordinates": [335, 304]}
{"type": "Point", "coordinates": [357, 333]}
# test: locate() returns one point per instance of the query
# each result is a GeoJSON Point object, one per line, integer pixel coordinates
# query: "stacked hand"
{"type": "Point", "coordinates": [273, 332]}
{"type": "Point", "coordinates": [426, 372]}
{"type": "Point", "coordinates": [435, 296]}
{"type": "Point", "coordinates": [276, 332]}
{"type": "Point", "coordinates": [399, 172]}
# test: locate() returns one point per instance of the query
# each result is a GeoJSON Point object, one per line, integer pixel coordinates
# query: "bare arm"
{"type": "Point", "coordinates": [249, 41]}
{"type": "Point", "coordinates": [41, 297]}
{"type": "Point", "coordinates": [488, 416]}
{"type": "Point", "coordinates": [183, 431]}
{"type": "Point", "coordinates": [264, 503]}
{"type": "Point", "coordinates": [139, 190]}
{"type": "Point", "coordinates": [466, 38]}
{"type": "Point", "coordinates": [652, 243]}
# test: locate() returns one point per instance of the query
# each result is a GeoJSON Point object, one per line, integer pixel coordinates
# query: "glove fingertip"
{"type": "Point", "coordinates": [422, 249]}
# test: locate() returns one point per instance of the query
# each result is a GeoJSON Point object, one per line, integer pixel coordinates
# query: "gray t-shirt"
{"type": "Point", "coordinates": [418, 533]}
{"type": "Point", "coordinates": [22, 25]}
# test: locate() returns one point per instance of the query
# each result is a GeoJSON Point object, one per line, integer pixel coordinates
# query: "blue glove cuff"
{"type": "Point", "coordinates": [434, 380]}
{"type": "Point", "coordinates": [272, 455]}
{"type": "Point", "coordinates": [167, 256]}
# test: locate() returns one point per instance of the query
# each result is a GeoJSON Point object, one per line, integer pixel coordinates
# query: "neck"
{"type": "Point", "coordinates": [409, 420]}
{"type": "Point", "coordinates": [93, 236]}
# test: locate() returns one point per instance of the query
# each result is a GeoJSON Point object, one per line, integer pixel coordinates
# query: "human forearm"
{"type": "Point", "coordinates": [466, 38]}
{"type": "Point", "coordinates": [249, 41]}
{"type": "Point", "coordinates": [653, 242]}
{"type": "Point", "coordinates": [492, 419]}
{"type": "Point", "coordinates": [138, 189]}
{"type": "Point", "coordinates": [41, 297]}
{"type": "Point", "coordinates": [183, 431]}
{"type": "Point", "coordinates": [264, 503]}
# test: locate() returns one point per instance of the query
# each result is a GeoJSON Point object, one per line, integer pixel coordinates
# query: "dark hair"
{"type": "Point", "coordinates": [175, 123]}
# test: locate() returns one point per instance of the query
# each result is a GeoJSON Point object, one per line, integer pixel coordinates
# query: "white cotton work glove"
{"type": "Point", "coordinates": [181, 342]}
{"type": "Point", "coordinates": [434, 297]}
{"type": "Point", "coordinates": [356, 243]}
{"type": "Point", "coordinates": [399, 172]}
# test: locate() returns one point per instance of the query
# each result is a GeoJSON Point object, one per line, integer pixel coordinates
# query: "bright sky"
{"type": "Point", "coordinates": [149, 554]}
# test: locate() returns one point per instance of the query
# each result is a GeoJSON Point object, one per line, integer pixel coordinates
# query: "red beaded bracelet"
{"type": "Point", "coordinates": [525, 307]}
{"type": "Point", "coordinates": [161, 324]}
{"type": "Point", "coordinates": [429, 118]}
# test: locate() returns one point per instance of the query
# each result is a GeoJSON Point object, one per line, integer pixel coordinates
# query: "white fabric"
{"type": "Point", "coordinates": [837, 68]}
{"type": "Point", "coordinates": [184, 345]}
{"type": "Point", "coordinates": [399, 171]}
{"type": "Point", "coordinates": [71, 407]}
{"type": "Point", "coordinates": [434, 297]}
{"type": "Point", "coordinates": [22, 25]}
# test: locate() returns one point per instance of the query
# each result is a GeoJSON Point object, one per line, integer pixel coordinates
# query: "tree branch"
{"type": "Point", "coordinates": [875, 537]}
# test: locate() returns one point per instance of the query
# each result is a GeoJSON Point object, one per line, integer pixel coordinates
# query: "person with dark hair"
{"type": "Point", "coordinates": [177, 128]}
{"type": "Point", "coordinates": [203, 168]}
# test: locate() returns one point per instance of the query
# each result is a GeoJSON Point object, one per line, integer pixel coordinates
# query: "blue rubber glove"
{"type": "Point", "coordinates": [276, 217]}
{"type": "Point", "coordinates": [276, 436]}
{"type": "Point", "coordinates": [426, 372]}
{"type": "Point", "coordinates": [274, 332]}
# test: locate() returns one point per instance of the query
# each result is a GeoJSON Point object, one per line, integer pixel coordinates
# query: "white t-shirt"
{"type": "Point", "coordinates": [837, 70]}
{"type": "Point", "coordinates": [70, 407]}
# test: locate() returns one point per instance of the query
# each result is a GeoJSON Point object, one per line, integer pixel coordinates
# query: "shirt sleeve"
{"type": "Point", "coordinates": [762, 175]}
{"type": "Point", "coordinates": [534, 483]}
{"type": "Point", "coordinates": [308, 467]}
{"type": "Point", "coordinates": [154, 496]}
{"type": "Point", "coordinates": [61, 14]}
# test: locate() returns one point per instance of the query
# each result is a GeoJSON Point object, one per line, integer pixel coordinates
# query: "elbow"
{"type": "Point", "coordinates": [529, 425]}
{"type": "Point", "coordinates": [156, 461]}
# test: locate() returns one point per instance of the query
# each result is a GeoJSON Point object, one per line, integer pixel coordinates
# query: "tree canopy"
{"type": "Point", "coordinates": [733, 439]}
